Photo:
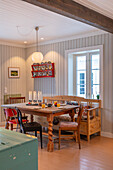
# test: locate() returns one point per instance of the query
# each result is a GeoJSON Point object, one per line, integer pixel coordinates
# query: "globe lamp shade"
{"type": "Point", "coordinates": [37, 57]}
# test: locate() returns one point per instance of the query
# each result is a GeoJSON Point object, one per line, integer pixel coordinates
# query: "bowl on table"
{"type": "Point", "coordinates": [49, 104]}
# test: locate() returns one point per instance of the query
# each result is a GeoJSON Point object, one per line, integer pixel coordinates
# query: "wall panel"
{"type": "Point", "coordinates": [58, 86]}
{"type": "Point", "coordinates": [11, 57]}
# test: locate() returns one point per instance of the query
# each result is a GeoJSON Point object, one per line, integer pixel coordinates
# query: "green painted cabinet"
{"type": "Point", "coordinates": [18, 151]}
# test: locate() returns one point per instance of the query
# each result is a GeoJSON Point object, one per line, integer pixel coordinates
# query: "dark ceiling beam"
{"type": "Point", "coordinates": [76, 11]}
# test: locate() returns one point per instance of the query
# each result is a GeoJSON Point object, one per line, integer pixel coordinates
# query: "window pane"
{"type": "Point", "coordinates": [81, 83]}
{"type": "Point", "coordinates": [95, 77]}
{"type": "Point", "coordinates": [81, 77]}
{"type": "Point", "coordinates": [81, 90]}
{"type": "Point", "coordinates": [81, 62]}
{"type": "Point", "coordinates": [95, 91]}
{"type": "Point", "coordinates": [95, 61]}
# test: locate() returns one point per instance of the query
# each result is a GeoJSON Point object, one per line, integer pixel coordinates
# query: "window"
{"type": "Point", "coordinates": [87, 74]}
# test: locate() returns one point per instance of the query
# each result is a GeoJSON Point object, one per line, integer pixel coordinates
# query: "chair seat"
{"type": "Point", "coordinates": [15, 121]}
{"type": "Point", "coordinates": [68, 124]}
{"type": "Point", "coordinates": [32, 126]}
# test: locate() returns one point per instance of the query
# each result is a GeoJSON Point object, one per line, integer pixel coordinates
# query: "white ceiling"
{"type": "Point", "coordinates": [53, 26]}
{"type": "Point", "coordinates": [104, 7]}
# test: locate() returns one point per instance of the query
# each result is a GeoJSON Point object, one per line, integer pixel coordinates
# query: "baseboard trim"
{"type": "Point", "coordinates": [107, 134]}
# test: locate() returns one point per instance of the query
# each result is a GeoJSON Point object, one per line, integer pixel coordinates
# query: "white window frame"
{"type": "Point", "coordinates": [88, 74]}
{"type": "Point", "coordinates": [72, 51]}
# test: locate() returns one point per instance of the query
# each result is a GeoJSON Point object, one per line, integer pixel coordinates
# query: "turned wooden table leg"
{"type": "Point", "coordinates": [72, 114]}
{"type": "Point", "coordinates": [32, 118]}
{"type": "Point", "coordinates": [50, 145]}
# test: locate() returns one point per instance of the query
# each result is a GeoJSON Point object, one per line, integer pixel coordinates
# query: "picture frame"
{"type": "Point", "coordinates": [13, 72]}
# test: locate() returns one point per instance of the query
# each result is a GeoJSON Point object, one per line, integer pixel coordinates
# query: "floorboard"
{"type": "Point", "coordinates": [95, 155]}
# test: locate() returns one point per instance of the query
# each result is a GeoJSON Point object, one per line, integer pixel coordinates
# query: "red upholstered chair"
{"type": "Point", "coordinates": [10, 115]}
{"type": "Point", "coordinates": [13, 100]}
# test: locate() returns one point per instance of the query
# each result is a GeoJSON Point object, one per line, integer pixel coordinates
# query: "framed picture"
{"type": "Point", "coordinates": [13, 72]}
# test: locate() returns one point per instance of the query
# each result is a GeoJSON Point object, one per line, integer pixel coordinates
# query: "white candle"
{"type": "Point", "coordinates": [39, 96]}
{"type": "Point", "coordinates": [30, 95]}
{"type": "Point", "coordinates": [34, 96]}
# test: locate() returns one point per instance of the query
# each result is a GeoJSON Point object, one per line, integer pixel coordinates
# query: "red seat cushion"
{"type": "Point", "coordinates": [69, 124]}
{"type": "Point", "coordinates": [15, 121]}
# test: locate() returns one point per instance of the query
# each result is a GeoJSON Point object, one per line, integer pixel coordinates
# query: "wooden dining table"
{"type": "Point", "coordinates": [49, 112]}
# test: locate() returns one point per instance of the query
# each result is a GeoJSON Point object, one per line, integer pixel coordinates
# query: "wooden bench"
{"type": "Point", "coordinates": [88, 126]}
{"type": "Point", "coordinates": [16, 100]}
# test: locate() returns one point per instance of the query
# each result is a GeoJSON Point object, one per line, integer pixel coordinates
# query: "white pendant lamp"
{"type": "Point", "coordinates": [37, 57]}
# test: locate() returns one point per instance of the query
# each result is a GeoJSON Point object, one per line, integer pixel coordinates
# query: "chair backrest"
{"type": "Point", "coordinates": [10, 112]}
{"type": "Point", "coordinates": [16, 100]}
{"type": "Point", "coordinates": [19, 115]}
{"type": "Point", "coordinates": [81, 110]}
{"type": "Point", "coordinates": [7, 96]}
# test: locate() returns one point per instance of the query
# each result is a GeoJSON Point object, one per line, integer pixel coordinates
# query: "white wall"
{"type": "Point", "coordinates": [11, 56]}
{"type": "Point", "coordinates": [58, 86]}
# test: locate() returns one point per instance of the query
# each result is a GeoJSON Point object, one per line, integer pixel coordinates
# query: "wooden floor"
{"type": "Point", "coordinates": [96, 155]}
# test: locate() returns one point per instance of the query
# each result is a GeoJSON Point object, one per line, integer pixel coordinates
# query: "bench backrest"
{"type": "Point", "coordinates": [79, 100]}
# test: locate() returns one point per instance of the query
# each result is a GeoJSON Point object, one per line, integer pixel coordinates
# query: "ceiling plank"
{"type": "Point", "coordinates": [76, 11]}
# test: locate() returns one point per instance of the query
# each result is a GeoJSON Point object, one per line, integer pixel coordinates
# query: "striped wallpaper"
{"type": "Point", "coordinates": [11, 56]}
{"type": "Point", "coordinates": [56, 86]}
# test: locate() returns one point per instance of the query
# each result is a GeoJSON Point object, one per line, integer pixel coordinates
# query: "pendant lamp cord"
{"type": "Point", "coordinates": [37, 28]}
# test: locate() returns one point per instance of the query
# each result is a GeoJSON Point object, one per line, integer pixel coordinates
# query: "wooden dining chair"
{"type": "Point", "coordinates": [71, 126]}
{"type": "Point", "coordinates": [29, 126]}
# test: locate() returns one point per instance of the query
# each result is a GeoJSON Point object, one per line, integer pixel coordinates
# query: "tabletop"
{"type": "Point", "coordinates": [47, 110]}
